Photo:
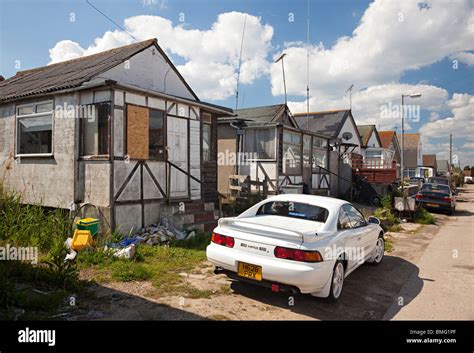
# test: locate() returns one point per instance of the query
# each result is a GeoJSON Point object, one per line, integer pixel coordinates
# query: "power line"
{"type": "Point", "coordinates": [107, 17]}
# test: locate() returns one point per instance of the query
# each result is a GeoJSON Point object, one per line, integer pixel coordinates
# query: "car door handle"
{"type": "Point", "coordinates": [359, 238]}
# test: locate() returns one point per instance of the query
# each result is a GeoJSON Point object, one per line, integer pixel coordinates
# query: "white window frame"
{"type": "Point", "coordinates": [33, 115]}
{"type": "Point", "coordinates": [274, 147]}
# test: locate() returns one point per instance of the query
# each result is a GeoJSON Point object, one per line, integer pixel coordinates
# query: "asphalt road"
{"type": "Point", "coordinates": [446, 269]}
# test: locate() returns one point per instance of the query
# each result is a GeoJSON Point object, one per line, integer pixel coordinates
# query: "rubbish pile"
{"type": "Point", "coordinates": [154, 234]}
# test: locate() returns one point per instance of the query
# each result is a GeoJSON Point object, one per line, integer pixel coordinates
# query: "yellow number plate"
{"type": "Point", "coordinates": [250, 271]}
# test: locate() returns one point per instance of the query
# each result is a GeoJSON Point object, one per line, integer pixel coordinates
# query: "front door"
{"type": "Point", "coordinates": [178, 155]}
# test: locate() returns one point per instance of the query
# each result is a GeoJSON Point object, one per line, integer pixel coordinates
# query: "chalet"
{"type": "Point", "coordinates": [412, 155]}
{"type": "Point", "coordinates": [273, 149]}
{"type": "Point", "coordinates": [120, 129]}
{"type": "Point", "coordinates": [389, 142]}
{"type": "Point", "coordinates": [443, 167]}
{"type": "Point", "coordinates": [430, 166]}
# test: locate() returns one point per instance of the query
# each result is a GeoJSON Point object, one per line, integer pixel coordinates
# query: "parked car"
{"type": "Point", "coordinates": [417, 180]}
{"type": "Point", "coordinates": [439, 180]}
{"type": "Point", "coordinates": [437, 196]}
{"type": "Point", "coordinates": [297, 243]}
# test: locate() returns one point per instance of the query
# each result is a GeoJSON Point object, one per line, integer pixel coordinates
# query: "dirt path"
{"type": "Point", "coordinates": [368, 293]}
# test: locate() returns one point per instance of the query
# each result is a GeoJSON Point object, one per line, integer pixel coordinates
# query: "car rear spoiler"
{"type": "Point", "coordinates": [273, 231]}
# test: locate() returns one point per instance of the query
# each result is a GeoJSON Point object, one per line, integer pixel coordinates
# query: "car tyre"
{"type": "Point", "coordinates": [379, 252]}
{"type": "Point", "coordinates": [337, 282]}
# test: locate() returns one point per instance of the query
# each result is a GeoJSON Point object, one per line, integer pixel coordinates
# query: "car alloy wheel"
{"type": "Point", "coordinates": [379, 250]}
{"type": "Point", "coordinates": [337, 280]}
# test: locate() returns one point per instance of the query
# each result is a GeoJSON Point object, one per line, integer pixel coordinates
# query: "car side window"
{"type": "Point", "coordinates": [344, 221]}
{"type": "Point", "coordinates": [357, 219]}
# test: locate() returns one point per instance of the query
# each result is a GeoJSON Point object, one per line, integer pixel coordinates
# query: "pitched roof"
{"type": "Point", "coordinates": [327, 123]}
{"type": "Point", "coordinates": [73, 73]}
{"type": "Point", "coordinates": [260, 115]}
{"type": "Point", "coordinates": [366, 132]}
{"type": "Point", "coordinates": [386, 137]}
{"type": "Point", "coordinates": [411, 140]}
{"type": "Point", "coordinates": [429, 160]}
{"type": "Point", "coordinates": [443, 165]}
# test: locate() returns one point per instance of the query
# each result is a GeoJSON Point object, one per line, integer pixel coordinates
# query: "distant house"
{"type": "Point", "coordinates": [336, 124]}
{"type": "Point", "coordinates": [271, 147]}
{"type": "Point", "coordinates": [340, 127]}
{"type": "Point", "coordinates": [390, 142]}
{"type": "Point", "coordinates": [374, 153]}
{"type": "Point", "coordinates": [430, 165]}
{"type": "Point", "coordinates": [412, 155]}
{"type": "Point", "coordinates": [443, 167]}
{"type": "Point", "coordinates": [120, 129]}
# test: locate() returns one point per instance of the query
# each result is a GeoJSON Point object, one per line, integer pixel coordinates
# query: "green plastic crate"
{"type": "Point", "coordinates": [90, 224]}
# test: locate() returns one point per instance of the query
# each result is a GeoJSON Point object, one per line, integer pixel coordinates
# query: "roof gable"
{"type": "Point", "coordinates": [386, 138]}
{"type": "Point", "coordinates": [73, 73]}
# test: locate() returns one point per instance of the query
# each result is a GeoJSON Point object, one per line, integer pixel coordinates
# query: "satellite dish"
{"type": "Point", "coordinates": [347, 136]}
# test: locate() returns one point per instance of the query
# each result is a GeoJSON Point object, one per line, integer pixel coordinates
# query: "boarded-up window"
{"type": "Point", "coordinates": [137, 132]}
{"type": "Point", "coordinates": [95, 134]}
{"type": "Point", "coordinates": [156, 148]}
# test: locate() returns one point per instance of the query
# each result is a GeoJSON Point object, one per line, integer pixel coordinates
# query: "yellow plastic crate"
{"type": "Point", "coordinates": [82, 239]}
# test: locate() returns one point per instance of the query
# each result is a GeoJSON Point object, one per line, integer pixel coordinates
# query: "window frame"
{"type": "Point", "coordinates": [165, 133]}
{"type": "Point", "coordinates": [98, 156]}
{"type": "Point", "coordinates": [254, 129]}
{"type": "Point", "coordinates": [206, 120]}
{"type": "Point", "coordinates": [293, 171]}
{"type": "Point", "coordinates": [33, 115]}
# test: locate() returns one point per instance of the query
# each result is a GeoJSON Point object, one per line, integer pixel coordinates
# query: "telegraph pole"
{"type": "Point", "coordinates": [450, 151]}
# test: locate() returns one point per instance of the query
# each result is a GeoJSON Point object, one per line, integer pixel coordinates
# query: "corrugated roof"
{"type": "Point", "coordinates": [327, 123]}
{"type": "Point", "coordinates": [386, 137]}
{"type": "Point", "coordinates": [260, 115]}
{"type": "Point", "coordinates": [71, 73]}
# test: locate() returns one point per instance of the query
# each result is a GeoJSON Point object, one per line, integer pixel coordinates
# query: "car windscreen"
{"type": "Point", "coordinates": [294, 210]}
{"type": "Point", "coordinates": [435, 187]}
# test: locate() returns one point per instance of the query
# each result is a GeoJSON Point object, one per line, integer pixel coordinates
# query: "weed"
{"type": "Point", "coordinates": [422, 216]}
{"type": "Point", "coordinates": [126, 271]}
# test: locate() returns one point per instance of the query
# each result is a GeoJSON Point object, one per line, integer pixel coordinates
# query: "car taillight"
{"type": "Point", "coordinates": [297, 255]}
{"type": "Point", "coordinates": [222, 240]}
{"type": "Point", "coordinates": [419, 196]}
{"type": "Point", "coordinates": [447, 199]}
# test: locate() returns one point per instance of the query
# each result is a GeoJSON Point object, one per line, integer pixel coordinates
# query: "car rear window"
{"type": "Point", "coordinates": [435, 187]}
{"type": "Point", "coordinates": [294, 210]}
{"type": "Point", "coordinates": [439, 181]}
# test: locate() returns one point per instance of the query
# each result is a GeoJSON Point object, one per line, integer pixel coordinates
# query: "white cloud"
{"type": "Point", "coordinates": [370, 105]}
{"type": "Point", "coordinates": [212, 56]}
{"type": "Point", "coordinates": [381, 48]}
{"type": "Point", "coordinates": [65, 50]}
{"type": "Point", "coordinates": [459, 123]}
{"type": "Point", "coordinates": [464, 57]}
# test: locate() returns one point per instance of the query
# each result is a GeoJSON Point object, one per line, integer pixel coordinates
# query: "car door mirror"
{"type": "Point", "coordinates": [374, 220]}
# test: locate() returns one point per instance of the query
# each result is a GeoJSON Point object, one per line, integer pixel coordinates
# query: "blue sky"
{"type": "Point", "coordinates": [419, 57]}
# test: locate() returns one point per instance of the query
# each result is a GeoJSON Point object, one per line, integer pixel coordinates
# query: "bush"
{"type": "Point", "coordinates": [422, 216]}
{"type": "Point", "coordinates": [387, 218]}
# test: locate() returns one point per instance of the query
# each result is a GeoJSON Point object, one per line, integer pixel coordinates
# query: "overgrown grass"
{"type": "Point", "coordinates": [31, 225]}
{"type": "Point", "coordinates": [387, 218]}
{"type": "Point", "coordinates": [34, 226]}
{"type": "Point", "coordinates": [422, 216]}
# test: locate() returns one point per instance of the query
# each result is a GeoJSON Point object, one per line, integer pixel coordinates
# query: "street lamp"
{"type": "Point", "coordinates": [283, 69]}
{"type": "Point", "coordinates": [402, 169]}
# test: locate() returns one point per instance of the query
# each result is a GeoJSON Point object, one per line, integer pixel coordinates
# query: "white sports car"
{"type": "Point", "coordinates": [296, 243]}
